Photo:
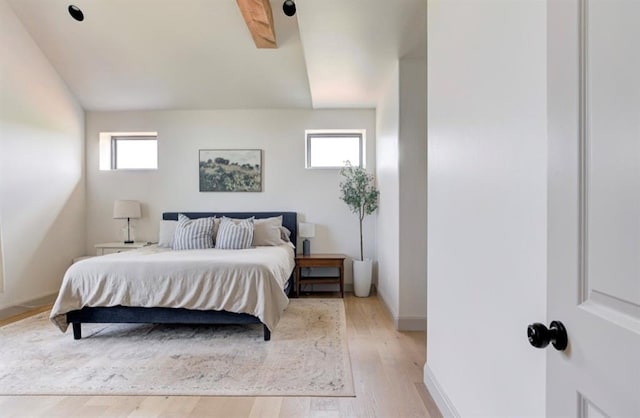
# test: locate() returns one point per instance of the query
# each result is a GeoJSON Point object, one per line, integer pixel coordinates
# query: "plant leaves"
{"type": "Point", "coordinates": [358, 190]}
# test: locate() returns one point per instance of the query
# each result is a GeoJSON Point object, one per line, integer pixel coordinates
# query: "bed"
{"type": "Point", "coordinates": [87, 295]}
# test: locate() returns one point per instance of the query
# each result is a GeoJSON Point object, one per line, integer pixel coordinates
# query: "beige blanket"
{"type": "Point", "coordinates": [244, 281]}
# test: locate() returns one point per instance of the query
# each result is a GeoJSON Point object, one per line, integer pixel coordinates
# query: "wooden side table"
{"type": "Point", "coordinates": [320, 260]}
{"type": "Point", "coordinates": [118, 247]}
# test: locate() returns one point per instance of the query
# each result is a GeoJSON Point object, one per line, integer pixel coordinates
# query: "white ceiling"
{"type": "Point", "coordinates": [198, 54]}
{"type": "Point", "coordinates": [350, 46]}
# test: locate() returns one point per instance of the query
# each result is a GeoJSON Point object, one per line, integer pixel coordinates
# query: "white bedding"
{"type": "Point", "coordinates": [243, 281]}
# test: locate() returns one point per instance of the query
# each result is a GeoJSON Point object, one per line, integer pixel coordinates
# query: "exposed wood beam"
{"type": "Point", "coordinates": [259, 19]}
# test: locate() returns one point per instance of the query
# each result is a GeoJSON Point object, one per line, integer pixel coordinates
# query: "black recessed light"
{"type": "Point", "coordinates": [289, 7]}
{"type": "Point", "coordinates": [76, 13]}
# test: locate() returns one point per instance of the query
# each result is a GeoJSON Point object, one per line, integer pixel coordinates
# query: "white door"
{"type": "Point", "coordinates": [594, 206]}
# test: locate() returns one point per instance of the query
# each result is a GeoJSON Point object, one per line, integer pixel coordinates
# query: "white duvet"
{"type": "Point", "coordinates": [243, 281]}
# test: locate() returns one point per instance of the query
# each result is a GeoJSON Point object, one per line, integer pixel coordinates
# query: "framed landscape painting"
{"type": "Point", "coordinates": [230, 170]}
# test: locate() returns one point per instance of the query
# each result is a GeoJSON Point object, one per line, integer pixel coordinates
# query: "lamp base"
{"type": "Point", "coordinates": [306, 247]}
{"type": "Point", "coordinates": [128, 233]}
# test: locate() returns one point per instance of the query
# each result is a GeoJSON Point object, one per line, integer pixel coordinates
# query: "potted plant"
{"type": "Point", "coordinates": [359, 192]}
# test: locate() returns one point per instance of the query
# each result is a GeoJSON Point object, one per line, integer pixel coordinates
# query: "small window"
{"type": "Point", "coordinates": [129, 151]}
{"type": "Point", "coordinates": [333, 148]}
{"type": "Point", "coordinates": [135, 152]}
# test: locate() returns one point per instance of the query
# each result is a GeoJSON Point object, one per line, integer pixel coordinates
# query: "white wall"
{"type": "Point", "coordinates": [402, 176]}
{"type": "Point", "coordinates": [287, 185]}
{"type": "Point", "coordinates": [412, 165]}
{"type": "Point", "coordinates": [486, 205]}
{"type": "Point", "coordinates": [41, 168]}
{"type": "Point", "coordinates": [388, 181]}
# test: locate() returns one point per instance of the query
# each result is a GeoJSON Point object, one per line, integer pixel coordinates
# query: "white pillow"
{"type": "Point", "coordinates": [234, 234]}
{"type": "Point", "coordinates": [167, 231]}
{"type": "Point", "coordinates": [192, 234]}
{"type": "Point", "coordinates": [266, 231]}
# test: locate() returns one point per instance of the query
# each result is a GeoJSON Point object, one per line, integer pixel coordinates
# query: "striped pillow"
{"type": "Point", "coordinates": [192, 234]}
{"type": "Point", "coordinates": [234, 234]}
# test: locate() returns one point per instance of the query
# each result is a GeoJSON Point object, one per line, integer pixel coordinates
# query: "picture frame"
{"type": "Point", "coordinates": [230, 170]}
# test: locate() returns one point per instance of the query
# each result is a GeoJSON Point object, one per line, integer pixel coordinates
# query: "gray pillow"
{"type": "Point", "coordinates": [266, 231]}
{"type": "Point", "coordinates": [285, 234]}
{"type": "Point", "coordinates": [234, 234]}
{"type": "Point", "coordinates": [193, 234]}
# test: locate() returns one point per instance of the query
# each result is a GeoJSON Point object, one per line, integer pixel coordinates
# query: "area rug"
{"type": "Point", "coordinates": [307, 356]}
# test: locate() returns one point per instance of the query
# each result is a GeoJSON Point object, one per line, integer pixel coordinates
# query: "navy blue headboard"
{"type": "Point", "coordinates": [289, 219]}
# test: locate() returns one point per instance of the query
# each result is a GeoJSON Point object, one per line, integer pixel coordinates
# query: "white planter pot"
{"type": "Point", "coordinates": [362, 277]}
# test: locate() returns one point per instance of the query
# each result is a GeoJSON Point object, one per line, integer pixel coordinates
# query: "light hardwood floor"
{"type": "Point", "coordinates": [387, 371]}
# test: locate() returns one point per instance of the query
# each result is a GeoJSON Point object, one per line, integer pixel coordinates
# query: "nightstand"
{"type": "Point", "coordinates": [118, 247]}
{"type": "Point", "coordinates": [320, 260]}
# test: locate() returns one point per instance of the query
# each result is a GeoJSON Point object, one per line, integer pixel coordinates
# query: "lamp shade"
{"type": "Point", "coordinates": [306, 230]}
{"type": "Point", "coordinates": [124, 209]}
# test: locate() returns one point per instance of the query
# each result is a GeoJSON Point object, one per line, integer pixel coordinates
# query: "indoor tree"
{"type": "Point", "coordinates": [359, 192]}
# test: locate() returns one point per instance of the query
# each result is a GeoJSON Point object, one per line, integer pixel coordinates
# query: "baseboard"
{"type": "Point", "coordinates": [391, 313]}
{"type": "Point", "coordinates": [439, 396]}
{"type": "Point", "coordinates": [411, 323]}
{"type": "Point", "coordinates": [404, 323]}
{"type": "Point", "coordinates": [9, 311]}
{"type": "Point", "coordinates": [41, 301]}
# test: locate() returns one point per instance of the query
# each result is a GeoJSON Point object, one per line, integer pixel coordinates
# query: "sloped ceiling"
{"type": "Point", "coordinates": [350, 46]}
{"type": "Point", "coordinates": [198, 54]}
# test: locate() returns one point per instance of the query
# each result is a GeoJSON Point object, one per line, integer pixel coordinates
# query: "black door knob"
{"type": "Point", "coordinates": [540, 336]}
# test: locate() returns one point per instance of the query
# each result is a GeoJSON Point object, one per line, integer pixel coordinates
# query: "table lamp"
{"type": "Point", "coordinates": [126, 209]}
{"type": "Point", "coordinates": [306, 230]}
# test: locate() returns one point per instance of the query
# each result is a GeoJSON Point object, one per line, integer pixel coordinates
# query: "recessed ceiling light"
{"type": "Point", "coordinates": [76, 13]}
{"type": "Point", "coordinates": [289, 7]}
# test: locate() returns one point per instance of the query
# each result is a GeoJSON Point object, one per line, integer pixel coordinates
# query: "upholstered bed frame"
{"type": "Point", "coordinates": [126, 314]}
